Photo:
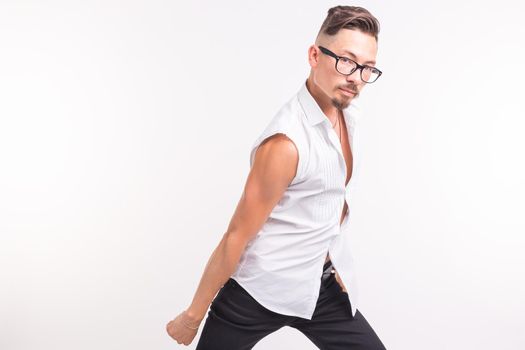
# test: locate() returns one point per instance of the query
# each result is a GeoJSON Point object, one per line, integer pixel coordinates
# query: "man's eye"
{"type": "Point", "coordinates": [344, 59]}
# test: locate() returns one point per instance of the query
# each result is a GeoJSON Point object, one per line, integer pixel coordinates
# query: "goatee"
{"type": "Point", "coordinates": [340, 105]}
{"type": "Point", "coordinates": [343, 104]}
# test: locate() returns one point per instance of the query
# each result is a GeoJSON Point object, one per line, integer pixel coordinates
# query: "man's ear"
{"type": "Point", "coordinates": [313, 56]}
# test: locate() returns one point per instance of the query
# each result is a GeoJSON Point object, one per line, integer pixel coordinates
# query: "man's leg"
{"type": "Point", "coordinates": [332, 326]}
{"type": "Point", "coordinates": [236, 321]}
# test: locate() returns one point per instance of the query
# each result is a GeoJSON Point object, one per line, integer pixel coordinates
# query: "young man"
{"type": "Point", "coordinates": [274, 263]}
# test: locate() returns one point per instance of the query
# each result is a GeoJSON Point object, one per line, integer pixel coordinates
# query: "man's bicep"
{"type": "Point", "coordinates": [274, 167]}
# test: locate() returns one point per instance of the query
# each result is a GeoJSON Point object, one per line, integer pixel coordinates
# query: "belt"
{"type": "Point", "coordinates": [327, 270]}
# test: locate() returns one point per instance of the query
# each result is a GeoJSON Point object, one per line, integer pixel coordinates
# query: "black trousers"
{"type": "Point", "coordinates": [236, 321]}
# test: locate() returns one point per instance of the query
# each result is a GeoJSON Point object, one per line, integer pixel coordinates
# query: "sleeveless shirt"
{"type": "Point", "coordinates": [282, 265]}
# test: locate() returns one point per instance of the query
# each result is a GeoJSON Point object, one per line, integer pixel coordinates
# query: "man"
{"type": "Point", "coordinates": [293, 214]}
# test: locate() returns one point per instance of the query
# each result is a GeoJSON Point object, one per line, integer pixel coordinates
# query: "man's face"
{"type": "Point", "coordinates": [352, 44]}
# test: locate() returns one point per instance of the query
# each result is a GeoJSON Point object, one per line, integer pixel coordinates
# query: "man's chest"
{"type": "Point", "coordinates": [330, 160]}
{"type": "Point", "coordinates": [347, 152]}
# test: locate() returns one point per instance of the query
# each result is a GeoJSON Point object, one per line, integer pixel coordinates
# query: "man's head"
{"type": "Point", "coordinates": [350, 32]}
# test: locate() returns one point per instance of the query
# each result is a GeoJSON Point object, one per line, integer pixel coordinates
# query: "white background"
{"type": "Point", "coordinates": [125, 129]}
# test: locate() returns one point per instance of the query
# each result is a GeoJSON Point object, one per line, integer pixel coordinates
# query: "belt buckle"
{"type": "Point", "coordinates": [327, 274]}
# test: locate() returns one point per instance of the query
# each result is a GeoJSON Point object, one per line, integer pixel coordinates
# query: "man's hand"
{"type": "Point", "coordinates": [179, 328]}
{"type": "Point", "coordinates": [338, 279]}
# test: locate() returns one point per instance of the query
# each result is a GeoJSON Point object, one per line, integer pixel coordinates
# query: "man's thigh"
{"type": "Point", "coordinates": [236, 321]}
{"type": "Point", "coordinates": [332, 326]}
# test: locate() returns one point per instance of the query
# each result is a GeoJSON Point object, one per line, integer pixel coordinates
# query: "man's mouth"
{"type": "Point", "coordinates": [348, 92]}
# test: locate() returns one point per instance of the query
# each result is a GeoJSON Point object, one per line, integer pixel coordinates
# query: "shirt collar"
{"type": "Point", "coordinates": [315, 115]}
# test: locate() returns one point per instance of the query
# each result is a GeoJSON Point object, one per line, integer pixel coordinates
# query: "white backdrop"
{"type": "Point", "coordinates": [125, 129]}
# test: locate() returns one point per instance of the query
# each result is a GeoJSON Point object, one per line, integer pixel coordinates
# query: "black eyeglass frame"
{"type": "Point", "coordinates": [357, 65]}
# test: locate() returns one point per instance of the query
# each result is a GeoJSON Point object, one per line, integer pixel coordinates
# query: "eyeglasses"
{"type": "Point", "coordinates": [346, 66]}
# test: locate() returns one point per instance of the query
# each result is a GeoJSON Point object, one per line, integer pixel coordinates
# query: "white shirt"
{"type": "Point", "coordinates": [282, 265]}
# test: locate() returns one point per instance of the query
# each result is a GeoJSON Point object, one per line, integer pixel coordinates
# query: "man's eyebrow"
{"type": "Point", "coordinates": [353, 54]}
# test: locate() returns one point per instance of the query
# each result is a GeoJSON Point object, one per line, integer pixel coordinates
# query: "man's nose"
{"type": "Point", "coordinates": [355, 77]}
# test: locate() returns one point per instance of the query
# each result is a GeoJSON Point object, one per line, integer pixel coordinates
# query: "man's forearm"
{"type": "Point", "coordinates": [221, 265]}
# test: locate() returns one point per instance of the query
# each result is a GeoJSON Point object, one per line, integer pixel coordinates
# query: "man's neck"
{"type": "Point", "coordinates": [323, 101]}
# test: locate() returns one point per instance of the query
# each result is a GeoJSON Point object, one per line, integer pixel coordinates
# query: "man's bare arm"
{"type": "Point", "coordinates": [274, 168]}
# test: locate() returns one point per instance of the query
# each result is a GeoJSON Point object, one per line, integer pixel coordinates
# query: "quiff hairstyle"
{"type": "Point", "coordinates": [349, 17]}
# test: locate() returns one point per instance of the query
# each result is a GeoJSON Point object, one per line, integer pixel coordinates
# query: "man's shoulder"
{"type": "Point", "coordinates": [280, 144]}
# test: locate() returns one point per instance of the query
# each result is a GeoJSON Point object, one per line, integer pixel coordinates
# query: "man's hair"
{"type": "Point", "coordinates": [349, 17]}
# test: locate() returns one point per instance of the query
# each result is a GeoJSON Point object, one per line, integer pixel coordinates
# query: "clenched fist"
{"type": "Point", "coordinates": [182, 328]}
